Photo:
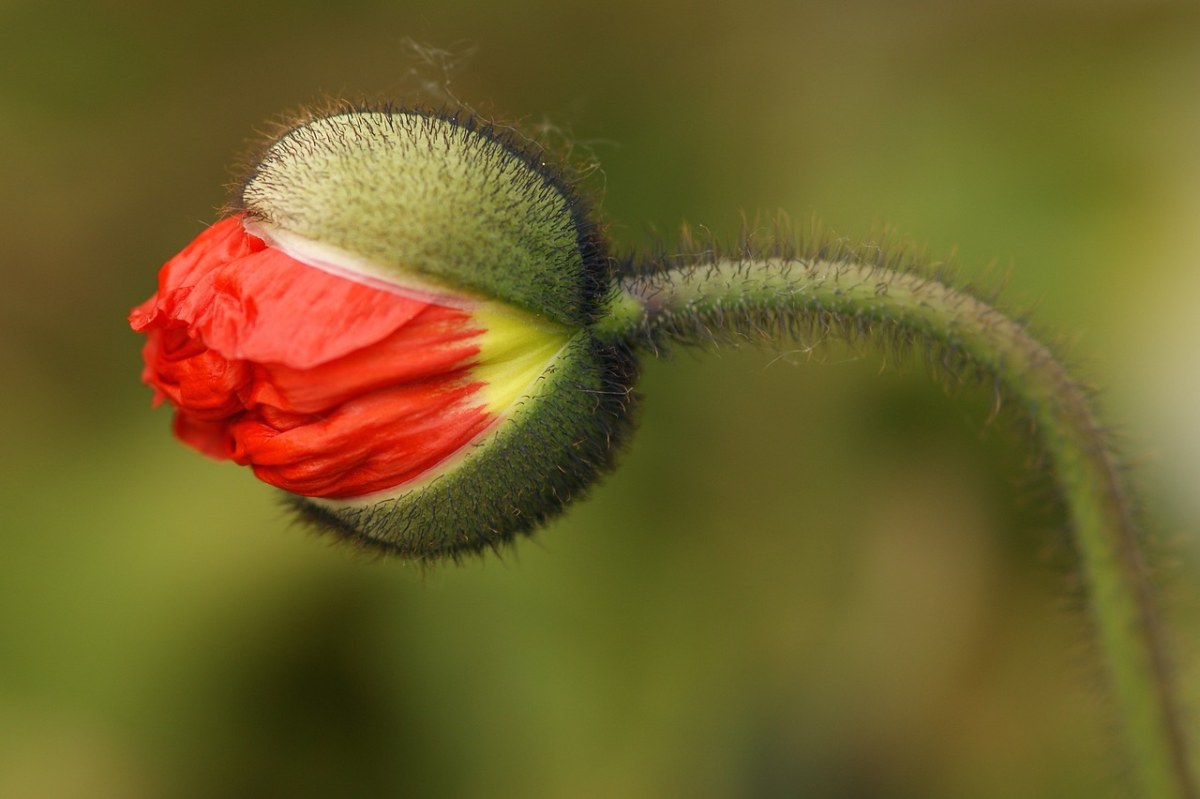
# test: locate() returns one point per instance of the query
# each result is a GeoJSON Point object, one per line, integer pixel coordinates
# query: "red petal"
{"type": "Point", "coordinates": [434, 344]}
{"type": "Point", "coordinates": [324, 386]}
{"type": "Point", "coordinates": [370, 443]}
{"type": "Point", "coordinates": [251, 302]}
{"type": "Point", "coordinates": [222, 243]}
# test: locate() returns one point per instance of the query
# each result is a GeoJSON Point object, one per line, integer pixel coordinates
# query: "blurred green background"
{"type": "Point", "coordinates": [807, 579]}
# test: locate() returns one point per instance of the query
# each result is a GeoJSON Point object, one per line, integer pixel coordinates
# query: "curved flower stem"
{"type": "Point", "coordinates": [770, 299]}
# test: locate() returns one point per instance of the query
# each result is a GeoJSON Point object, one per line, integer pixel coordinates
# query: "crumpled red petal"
{"type": "Point", "coordinates": [324, 386]}
{"type": "Point", "coordinates": [244, 300]}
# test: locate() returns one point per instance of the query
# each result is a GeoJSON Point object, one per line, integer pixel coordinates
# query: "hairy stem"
{"type": "Point", "coordinates": [772, 299]}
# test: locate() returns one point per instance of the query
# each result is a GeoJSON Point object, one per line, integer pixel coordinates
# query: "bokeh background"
{"type": "Point", "coordinates": [810, 577]}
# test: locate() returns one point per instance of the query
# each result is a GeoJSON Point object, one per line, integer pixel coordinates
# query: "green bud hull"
{"type": "Point", "coordinates": [555, 445]}
{"type": "Point", "coordinates": [466, 206]}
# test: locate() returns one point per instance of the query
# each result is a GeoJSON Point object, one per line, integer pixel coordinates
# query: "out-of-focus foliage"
{"type": "Point", "coordinates": [808, 578]}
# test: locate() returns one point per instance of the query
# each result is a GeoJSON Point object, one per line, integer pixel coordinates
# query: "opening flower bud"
{"type": "Point", "coordinates": [393, 328]}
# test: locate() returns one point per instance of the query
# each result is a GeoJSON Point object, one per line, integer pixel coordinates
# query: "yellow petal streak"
{"type": "Point", "coordinates": [515, 352]}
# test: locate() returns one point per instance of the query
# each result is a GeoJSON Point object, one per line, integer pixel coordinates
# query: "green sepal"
{"type": "Point", "coordinates": [552, 448]}
{"type": "Point", "coordinates": [467, 206]}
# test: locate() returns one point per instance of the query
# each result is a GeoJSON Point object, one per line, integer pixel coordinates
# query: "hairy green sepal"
{"type": "Point", "coordinates": [464, 205]}
{"type": "Point", "coordinates": [553, 447]}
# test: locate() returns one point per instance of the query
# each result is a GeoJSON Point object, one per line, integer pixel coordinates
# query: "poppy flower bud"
{"type": "Point", "coordinates": [394, 329]}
